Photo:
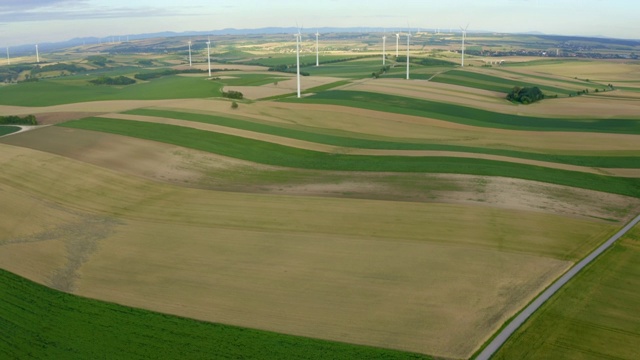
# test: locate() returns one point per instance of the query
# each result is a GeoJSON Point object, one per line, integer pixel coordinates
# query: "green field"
{"type": "Point", "coordinates": [356, 140]}
{"type": "Point", "coordinates": [595, 316]}
{"type": "Point", "coordinates": [469, 116]}
{"type": "Point", "coordinates": [56, 92]}
{"type": "Point", "coordinates": [279, 155]}
{"type": "Point", "coordinates": [5, 130]}
{"type": "Point", "coordinates": [36, 322]}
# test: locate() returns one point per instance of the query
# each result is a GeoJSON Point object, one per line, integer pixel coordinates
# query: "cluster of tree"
{"type": "Point", "coordinates": [382, 70]}
{"type": "Point", "coordinates": [98, 60]}
{"type": "Point", "coordinates": [425, 61]}
{"type": "Point", "coordinates": [306, 64]}
{"type": "Point", "coordinates": [29, 78]}
{"type": "Point", "coordinates": [107, 80]}
{"type": "Point", "coordinates": [145, 62]}
{"type": "Point", "coordinates": [525, 95]}
{"type": "Point", "coordinates": [290, 69]}
{"type": "Point", "coordinates": [72, 68]}
{"type": "Point", "coordinates": [165, 72]}
{"type": "Point", "coordinates": [11, 73]}
{"type": "Point", "coordinates": [18, 120]}
{"type": "Point", "coordinates": [233, 94]}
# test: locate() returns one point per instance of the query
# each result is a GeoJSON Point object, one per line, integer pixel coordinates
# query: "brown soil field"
{"type": "Point", "coordinates": [355, 270]}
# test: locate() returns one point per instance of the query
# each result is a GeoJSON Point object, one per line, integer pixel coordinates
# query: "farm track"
{"type": "Point", "coordinates": [300, 144]}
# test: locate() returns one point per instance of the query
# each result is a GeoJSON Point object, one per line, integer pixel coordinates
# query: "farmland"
{"type": "Point", "coordinates": [357, 219]}
{"type": "Point", "coordinates": [591, 317]}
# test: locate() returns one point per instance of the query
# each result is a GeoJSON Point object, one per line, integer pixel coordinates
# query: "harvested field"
{"type": "Point", "coordinates": [342, 150]}
{"type": "Point", "coordinates": [598, 105]}
{"type": "Point", "coordinates": [192, 168]}
{"type": "Point", "coordinates": [207, 254]}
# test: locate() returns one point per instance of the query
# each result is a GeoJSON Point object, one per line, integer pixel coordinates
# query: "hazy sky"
{"type": "Point", "coordinates": [31, 21]}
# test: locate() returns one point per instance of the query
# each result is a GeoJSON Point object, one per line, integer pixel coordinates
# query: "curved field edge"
{"type": "Point", "coordinates": [467, 115]}
{"type": "Point", "coordinates": [6, 130]}
{"type": "Point", "coordinates": [353, 141]}
{"type": "Point", "coordinates": [280, 155]}
{"type": "Point", "coordinates": [37, 321]}
{"type": "Point", "coordinates": [594, 315]}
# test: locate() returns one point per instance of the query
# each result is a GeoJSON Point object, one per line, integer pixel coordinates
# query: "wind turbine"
{"type": "Point", "coordinates": [37, 55]}
{"type": "Point", "coordinates": [8, 58]}
{"type": "Point", "coordinates": [298, 40]}
{"type": "Point", "coordinates": [189, 53]}
{"type": "Point", "coordinates": [397, 42]}
{"type": "Point", "coordinates": [464, 34]}
{"type": "Point", "coordinates": [209, 54]}
{"type": "Point", "coordinates": [317, 51]}
{"type": "Point", "coordinates": [384, 49]}
{"type": "Point", "coordinates": [408, 44]}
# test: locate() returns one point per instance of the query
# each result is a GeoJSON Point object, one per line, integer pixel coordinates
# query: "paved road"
{"type": "Point", "coordinates": [502, 337]}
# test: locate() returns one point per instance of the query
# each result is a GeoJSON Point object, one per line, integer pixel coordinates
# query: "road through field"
{"type": "Point", "coordinates": [502, 337]}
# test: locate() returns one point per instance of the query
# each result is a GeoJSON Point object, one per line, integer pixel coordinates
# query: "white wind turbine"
{"type": "Point", "coordinates": [408, 44]}
{"type": "Point", "coordinates": [37, 55]}
{"type": "Point", "coordinates": [464, 35]}
{"type": "Point", "coordinates": [397, 43]}
{"type": "Point", "coordinates": [8, 58]}
{"type": "Point", "coordinates": [317, 49]}
{"type": "Point", "coordinates": [189, 53]}
{"type": "Point", "coordinates": [209, 54]}
{"type": "Point", "coordinates": [384, 48]}
{"type": "Point", "coordinates": [298, 40]}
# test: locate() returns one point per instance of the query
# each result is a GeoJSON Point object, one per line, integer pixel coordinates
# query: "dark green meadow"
{"type": "Point", "coordinates": [5, 130]}
{"type": "Point", "coordinates": [467, 115]}
{"type": "Point", "coordinates": [279, 155]}
{"type": "Point", "coordinates": [355, 140]}
{"type": "Point", "coordinates": [37, 322]}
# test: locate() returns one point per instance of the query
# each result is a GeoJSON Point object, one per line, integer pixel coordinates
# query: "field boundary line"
{"type": "Point", "coordinates": [520, 319]}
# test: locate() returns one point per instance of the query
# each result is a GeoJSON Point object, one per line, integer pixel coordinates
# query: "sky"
{"type": "Point", "coordinates": [39, 21]}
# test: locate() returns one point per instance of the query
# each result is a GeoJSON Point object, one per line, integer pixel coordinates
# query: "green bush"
{"type": "Point", "coordinates": [525, 95]}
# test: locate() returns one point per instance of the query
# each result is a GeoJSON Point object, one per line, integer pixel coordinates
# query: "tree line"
{"type": "Point", "coordinates": [18, 120]}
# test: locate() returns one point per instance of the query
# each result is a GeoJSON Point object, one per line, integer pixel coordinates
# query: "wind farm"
{"type": "Point", "coordinates": [303, 200]}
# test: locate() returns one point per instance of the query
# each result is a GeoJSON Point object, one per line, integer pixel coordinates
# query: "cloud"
{"type": "Point", "coordinates": [45, 10]}
{"type": "Point", "coordinates": [12, 6]}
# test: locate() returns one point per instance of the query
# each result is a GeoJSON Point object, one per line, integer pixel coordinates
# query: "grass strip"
{"type": "Point", "coordinates": [467, 115]}
{"type": "Point", "coordinates": [279, 155]}
{"type": "Point", "coordinates": [42, 323]}
{"type": "Point", "coordinates": [352, 141]}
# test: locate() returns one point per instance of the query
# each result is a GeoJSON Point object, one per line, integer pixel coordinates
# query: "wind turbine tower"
{"type": "Point", "coordinates": [298, 40]}
{"type": "Point", "coordinates": [408, 44]}
{"type": "Point", "coordinates": [209, 54]}
{"type": "Point", "coordinates": [397, 43]}
{"type": "Point", "coordinates": [37, 55]}
{"type": "Point", "coordinates": [464, 35]}
{"type": "Point", "coordinates": [8, 58]}
{"type": "Point", "coordinates": [189, 53]}
{"type": "Point", "coordinates": [384, 49]}
{"type": "Point", "coordinates": [317, 49]}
